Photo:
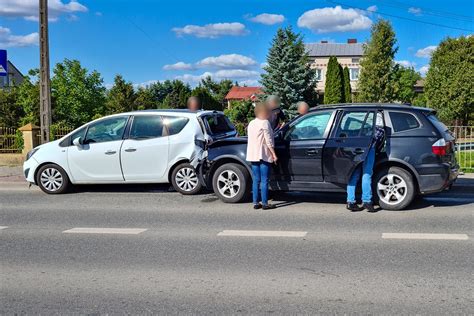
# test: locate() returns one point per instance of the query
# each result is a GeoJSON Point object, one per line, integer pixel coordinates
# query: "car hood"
{"type": "Point", "coordinates": [229, 141]}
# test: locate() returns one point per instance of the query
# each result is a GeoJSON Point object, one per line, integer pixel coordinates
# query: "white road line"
{"type": "Point", "coordinates": [261, 233]}
{"type": "Point", "coordinates": [3, 227]}
{"type": "Point", "coordinates": [97, 230]}
{"type": "Point", "coordinates": [425, 236]}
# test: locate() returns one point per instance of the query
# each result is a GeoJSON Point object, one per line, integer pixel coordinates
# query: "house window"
{"type": "Point", "coordinates": [354, 73]}
{"type": "Point", "coordinates": [319, 73]}
{"type": "Point", "coordinates": [355, 60]}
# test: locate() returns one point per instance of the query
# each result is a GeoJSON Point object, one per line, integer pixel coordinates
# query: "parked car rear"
{"type": "Point", "coordinates": [320, 150]}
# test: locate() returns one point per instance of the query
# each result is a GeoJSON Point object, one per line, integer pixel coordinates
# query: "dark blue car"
{"type": "Point", "coordinates": [320, 150]}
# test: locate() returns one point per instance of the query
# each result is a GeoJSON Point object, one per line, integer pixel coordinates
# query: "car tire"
{"type": "Point", "coordinates": [394, 188]}
{"type": "Point", "coordinates": [185, 180]}
{"type": "Point", "coordinates": [231, 183]}
{"type": "Point", "coordinates": [52, 179]}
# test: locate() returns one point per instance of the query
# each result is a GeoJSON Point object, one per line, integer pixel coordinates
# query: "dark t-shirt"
{"type": "Point", "coordinates": [276, 117]}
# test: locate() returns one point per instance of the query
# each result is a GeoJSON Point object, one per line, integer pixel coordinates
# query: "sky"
{"type": "Point", "coordinates": [150, 40]}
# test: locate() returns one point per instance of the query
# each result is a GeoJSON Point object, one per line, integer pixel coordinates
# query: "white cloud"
{"type": "Point", "coordinates": [28, 9]}
{"type": "Point", "coordinates": [268, 19]}
{"type": "Point", "coordinates": [240, 75]}
{"type": "Point", "coordinates": [425, 52]}
{"type": "Point", "coordinates": [212, 30]}
{"type": "Point", "coordinates": [7, 39]}
{"type": "Point", "coordinates": [226, 61]}
{"type": "Point", "coordinates": [406, 63]}
{"type": "Point", "coordinates": [335, 19]}
{"type": "Point", "coordinates": [372, 8]}
{"type": "Point", "coordinates": [423, 70]}
{"type": "Point", "coordinates": [178, 66]}
{"type": "Point", "coordinates": [415, 11]}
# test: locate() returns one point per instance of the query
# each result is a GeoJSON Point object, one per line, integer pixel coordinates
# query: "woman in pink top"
{"type": "Point", "coordinates": [261, 154]}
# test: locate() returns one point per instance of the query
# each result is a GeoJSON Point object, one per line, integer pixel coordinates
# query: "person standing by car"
{"type": "Point", "coordinates": [277, 117]}
{"type": "Point", "coordinates": [302, 107]}
{"type": "Point", "coordinates": [261, 154]}
{"type": "Point", "coordinates": [366, 170]}
{"type": "Point", "coordinates": [194, 104]}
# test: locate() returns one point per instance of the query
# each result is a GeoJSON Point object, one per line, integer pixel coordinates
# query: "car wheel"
{"type": "Point", "coordinates": [395, 188]}
{"type": "Point", "coordinates": [185, 179]}
{"type": "Point", "coordinates": [231, 183]}
{"type": "Point", "coordinates": [52, 179]}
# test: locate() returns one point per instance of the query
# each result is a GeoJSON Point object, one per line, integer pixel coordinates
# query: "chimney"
{"type": "Point", "coordinates": [324, 42]}
{"type": "Point", "coordinates": [351, 41]}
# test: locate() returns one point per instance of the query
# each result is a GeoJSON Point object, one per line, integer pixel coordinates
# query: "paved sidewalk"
{"type": "Point", "coordinates": [11, 174]}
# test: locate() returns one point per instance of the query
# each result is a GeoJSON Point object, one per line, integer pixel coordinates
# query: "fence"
{"type": "Point", "coordinates": [10, 141]}
{"type": "Point", "coordinates": [464, 146]}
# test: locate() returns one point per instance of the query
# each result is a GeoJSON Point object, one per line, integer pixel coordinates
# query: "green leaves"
{"type": "Point", "coordinates": [334, 87]}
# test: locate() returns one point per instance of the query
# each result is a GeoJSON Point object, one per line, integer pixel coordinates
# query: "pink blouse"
{"type": "Point", "coordinates": [260, 139]}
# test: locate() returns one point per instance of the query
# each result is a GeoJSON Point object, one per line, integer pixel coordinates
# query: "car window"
{"type": "Point", "coordinates": [437, 123]}
{"type": "Point", "coordinates": [218, 124]}
{"type": "Point", "coordinates": [106, 130]}
{"type": "Point", "coordinates": [175, 124]}
{"type": "Point", "coordinates": [80, 133]}
{"type": "Point", "coordinates": [146, 126]}
{"type": "Point", "coordinates": [402, 121]}
{"type": "Point", "coordinates": [356, 124]}
{"type": "Point", "coordinates": [311, 126]}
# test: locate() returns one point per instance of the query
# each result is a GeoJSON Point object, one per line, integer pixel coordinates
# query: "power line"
{"type": "Point", "coordinates": [402, 17]}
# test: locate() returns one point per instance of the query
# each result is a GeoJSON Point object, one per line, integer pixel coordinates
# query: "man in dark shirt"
{"type": "Point", "coordinates": [277, 117]}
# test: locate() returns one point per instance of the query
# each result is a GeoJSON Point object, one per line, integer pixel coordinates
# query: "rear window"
{"type": "Point", "coordinates": [402, 121]}
{"type": "Point", "coordinates": [218, 124]}
{"type": "Point", "coordinates": [437, 123]}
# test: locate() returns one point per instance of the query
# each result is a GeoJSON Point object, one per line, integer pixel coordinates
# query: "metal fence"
{"type": "Point", "coordinates": [464, 146]}
{"type": "Point", "coordinates": [10, 140]}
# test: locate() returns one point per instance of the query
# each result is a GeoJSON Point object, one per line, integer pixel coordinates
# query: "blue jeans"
{"type": "Point", "coordinates": [367, 170]}
{"type": "Point", "coordinates": [260, 172]}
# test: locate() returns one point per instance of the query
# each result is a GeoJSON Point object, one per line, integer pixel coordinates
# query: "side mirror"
{"type": "Point", "coordinates": [77, 142]}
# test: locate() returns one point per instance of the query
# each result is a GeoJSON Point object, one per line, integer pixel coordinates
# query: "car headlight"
{"type": "Point", "coordinates": [31, 153]}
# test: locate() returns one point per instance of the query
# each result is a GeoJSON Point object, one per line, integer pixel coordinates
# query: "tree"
{"type": "Point", "coordinates": [77, 95]}
{"type": "Point", "coordinates": [288, 73]}
{"type": "Point", "coordinates": [121, 97]}
{"type": "Point", "coordinates": [240, 114]}
{"type": "Point", "coordinates": [208, 102]}
{"type": "Point", "coordinates": [404, 81]}
{"type": "Point", "coordinates": [28, 98]}
{"type": "Point", "coordinates": [334, 89]}
{"type": "Point", "coordinates": [160, 90]}
{"type": "Point", "coordinates": [376, 76]}
{"type": "Point", "coordinates": [177, 98]}
{"type": "Point", "coordinates": [10, 112]}
{"type": "Point", "coordinates": [347, 85]}
{"type": "Point", "coordinates": [450, 79]}
{"type": "Point", "coordinates": [217, 89]}
{"type": "Point", "coordinates": [144, 99]}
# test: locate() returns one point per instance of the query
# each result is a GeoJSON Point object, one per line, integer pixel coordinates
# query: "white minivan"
{"type": "Point", "coordinates": [152, 146]}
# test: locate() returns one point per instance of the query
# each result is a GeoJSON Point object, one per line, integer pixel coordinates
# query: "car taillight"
{"type": "Point", "coordinates": [440, 148]}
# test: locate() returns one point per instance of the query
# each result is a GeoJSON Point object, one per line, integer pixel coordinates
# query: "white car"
{"type": "Point", "coordinates": [154, 146]}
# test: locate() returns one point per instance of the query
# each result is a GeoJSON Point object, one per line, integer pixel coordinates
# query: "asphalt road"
{"type": "Point", "coordinates": [59, 254]}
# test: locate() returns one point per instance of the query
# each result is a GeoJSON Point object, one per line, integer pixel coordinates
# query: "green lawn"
{"type": "Point", "coordinates": [466, 160]}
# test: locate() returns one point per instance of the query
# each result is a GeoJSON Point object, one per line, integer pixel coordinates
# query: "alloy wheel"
{"type": "Point", "coordinates": [392, 189]}
{"type": "Point", "coordinates": [228, 183]}
{"type": "Point", "coordinates": [186, 178]}
{"type": "Point", "coordinates": [51, 179]}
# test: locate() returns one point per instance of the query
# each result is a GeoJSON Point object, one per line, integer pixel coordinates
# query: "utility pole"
{"type": "Point", "coordinates": [45, 83]}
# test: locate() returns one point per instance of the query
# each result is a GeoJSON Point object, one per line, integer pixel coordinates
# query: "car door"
{"type": "Point", "coordinates": [300, 157]}
{"type": "Point", "coordinates": [97, 159]}
{"type": "Point", "coordinates": [348, 144]}
{"type": "Point", "coordinates": [144, 153]}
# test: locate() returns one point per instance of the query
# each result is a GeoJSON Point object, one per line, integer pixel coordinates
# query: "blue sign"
{"type": "Point", "coordinates": [3, 63]}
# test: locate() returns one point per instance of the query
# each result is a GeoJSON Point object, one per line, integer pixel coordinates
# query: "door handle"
{"type": "Point", "coordinates": [311, 152]}
{"type": "Point", "coordinates": [110, 152]}
{"type": "Point", "coordinates": [129, 150]}
{"type": "Point", "coordinates": [359, 151]}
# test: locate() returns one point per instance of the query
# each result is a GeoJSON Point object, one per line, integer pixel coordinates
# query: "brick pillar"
{"type": "Point", "coordinates": [30, 137]}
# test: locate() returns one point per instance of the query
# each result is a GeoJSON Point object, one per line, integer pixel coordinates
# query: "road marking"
{"type": "Point", "coordinates": [425, 236]}
{"type": "Point", "coordinates": [92, 230]}
{"type": "Point", "coordinates": [3, 227]}
{"type": "Point", "coordinates": [261, 233]}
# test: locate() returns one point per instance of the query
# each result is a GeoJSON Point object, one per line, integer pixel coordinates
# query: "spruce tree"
{"type": "Point", "coordinates": [288, 73]}
{"type": "Point", "coordinates": [376, 82]}
{"type": "Point", "coordinates": [347, 86]}
{"type": "Point", "coordinates": [333, 89]}
{"type": "Point", "coordinates": [121, 97]}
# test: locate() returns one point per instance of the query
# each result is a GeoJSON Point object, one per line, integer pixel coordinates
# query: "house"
{"type": "Point", "coordinates": [347, 54]}
{"type": "Point", "coordinates": [13, 78]}
{"type": "Point", "coordinates": [419, 86]}
{"type": "Point", "coordinates": [242, 93]}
